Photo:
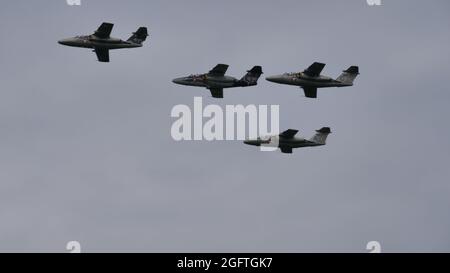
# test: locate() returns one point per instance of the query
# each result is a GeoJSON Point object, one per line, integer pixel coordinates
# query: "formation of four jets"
{"type": "Point", "coordinates": [216, 81]}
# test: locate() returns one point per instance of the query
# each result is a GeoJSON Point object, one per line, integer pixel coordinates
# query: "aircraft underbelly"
{"type": "Point", "coordinates": [221, 84]}
{"type": "Point", "coordinates": [317, 84]}
{"type": "Point", "coordinates": [86, 45]}
{"type": "Point", "coordinates": [82, 44]}
{"type": "Point", "coordinates": [296, 144]}
{"type": "Point", "coordinates": [110, 46]}
{"type": "Point", "coordinates": [198, 84]}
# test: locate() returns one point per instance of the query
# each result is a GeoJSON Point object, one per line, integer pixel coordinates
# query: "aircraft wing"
{"type": "Point", "coordinates": [286, 150]}
{"type": "Point", "coordinates": [289, 133]}
{"type": "Point", "coordinates": [104, 31]}
{"type": "Point", "coordinates": [216, 92]}
{"type": "Point", "coordinates": [314, 70]}
{"type": "Point", "coordinates": [219, 70]}
{"type": "Point", "coordinates": [102, 55]}
{"type": "Point", "coordinates": [310, 92]}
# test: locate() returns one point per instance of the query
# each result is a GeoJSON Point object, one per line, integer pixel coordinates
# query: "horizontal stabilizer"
{"type": "Point", "coordinates": [257, 70]}
{"type": "Point", "coordinates": [320, 137]}
{"type": "Point", "coordinates": [139, 36]}
{"type": "Point", "coordinates": [353, 70]}
{"type": "Point", "coordinates": [252, 77]}
{"type": "Point", "coordinates": [324, 130]}
{"type": "Point", "coordinates": [349, 75]}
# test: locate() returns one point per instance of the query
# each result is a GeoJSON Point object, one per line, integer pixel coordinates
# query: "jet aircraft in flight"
{"type": "Point", "coordinates": [216, 80]}
{"type": "Point", "coordinates": [310, 79]}
{"type": "Point", "coordinates": [287, 140]}
{"type": "Point", "coordinates": [102, 42]}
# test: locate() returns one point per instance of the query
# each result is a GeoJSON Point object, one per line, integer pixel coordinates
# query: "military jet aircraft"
{"type": "Point", "coordinates": [310, 79]}
{"type": "Point", "coordinates": [287, 141]}
{"type": "Point", "coordinates": [102, 42]}
{"type": "Point", "coordinates": [216, 80]}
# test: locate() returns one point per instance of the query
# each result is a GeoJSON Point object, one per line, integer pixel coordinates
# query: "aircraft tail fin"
{"type": "Point", "coordinates": [139, 36]}
{"type": "Point", "coordinates": [252, 76]}
{"type": "Point", "coordinates": [321, 136]}
{"type": "Point", "coordinates": [349, 75]}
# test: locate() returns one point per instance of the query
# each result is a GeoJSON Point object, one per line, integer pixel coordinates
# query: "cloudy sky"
{"type": "Point", "coordinates": [86, 152]}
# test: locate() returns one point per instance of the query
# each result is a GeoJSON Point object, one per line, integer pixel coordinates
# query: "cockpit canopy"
{"type": "Point", "coordinates": [302, 75]}
{"type": "Point", "coordinates": [265, 138]}
{"type": "Point", "coordinates": [294, 74]}
{"type": "Point", "coordinates": [197, 77]}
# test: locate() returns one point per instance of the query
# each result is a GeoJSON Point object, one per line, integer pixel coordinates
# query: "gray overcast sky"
{"type": "Point", "coordinates": [86, 152]}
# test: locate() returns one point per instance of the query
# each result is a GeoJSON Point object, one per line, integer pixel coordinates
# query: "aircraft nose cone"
{"type": "Point", "coordinates": [64, 42]}
{"type": "Point", "coordinates": [68, 42]}
{"type": "Point", "coordinates": [251, 142]}
{"type": "Point", "coordinates": [178, 80]}
{"type": "Point", "coordinates": [273, 78]}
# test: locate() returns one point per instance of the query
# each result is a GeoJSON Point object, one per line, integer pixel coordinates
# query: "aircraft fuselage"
{"type": "Point", "coordinates": [209, 81]}
{"type": "Point", "coordinates": [282, 142]}
{"type": "Point", "coordinates": [94, 42]}
{"type": "Point", "coordinates": [303, 80]}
